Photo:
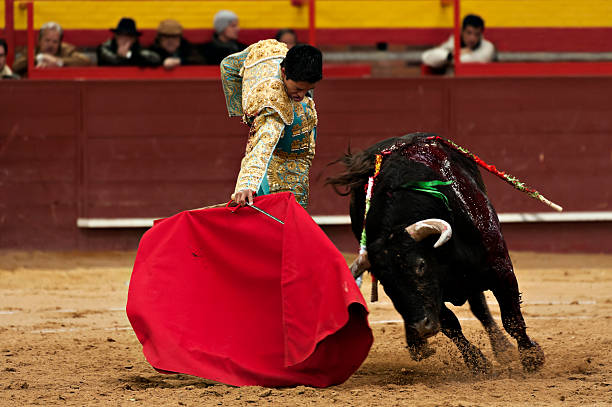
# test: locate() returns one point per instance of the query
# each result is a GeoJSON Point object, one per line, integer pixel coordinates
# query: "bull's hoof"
{"type": "Point", "coordinates": [532, 358]}
{"type": "Point", "coordinates": [502, 347]}
{"type": "Point", "coordinates": [476, 361]}
{"type": "Point", "coordinates": [420, 351]}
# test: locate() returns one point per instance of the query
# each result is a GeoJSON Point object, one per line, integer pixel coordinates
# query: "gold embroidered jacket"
{"type": "Point", "coordinates": [282, 134]}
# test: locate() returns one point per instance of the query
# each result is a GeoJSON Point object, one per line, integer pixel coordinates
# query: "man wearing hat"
{"type": "Point", "coordinates": [172, 48]}
{"type": "Point", "coordinates": [225, 38]}
{"type": "Point", "coordinates": [124, 49]}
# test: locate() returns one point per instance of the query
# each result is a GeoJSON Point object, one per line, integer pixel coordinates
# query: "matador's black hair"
{"type": "Point", "coordinates": [303, 63]}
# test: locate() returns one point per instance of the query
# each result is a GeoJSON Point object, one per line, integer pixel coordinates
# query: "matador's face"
{"type": "Point", "coordinates": [296, 90]}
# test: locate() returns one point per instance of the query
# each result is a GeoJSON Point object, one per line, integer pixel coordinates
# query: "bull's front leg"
{"type": "Point", "coordinates": [508, 297]}
{"type": "Point", "coordinates": [473, 357]}
{"type": "Point", "coordinates": [500, 344]}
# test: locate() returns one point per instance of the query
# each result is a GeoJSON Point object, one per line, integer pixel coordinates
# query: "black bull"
{"type": "Point", "coordinates": [411, 252]}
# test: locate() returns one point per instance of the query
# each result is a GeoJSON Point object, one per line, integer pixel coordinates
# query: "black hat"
{"type": "Point", "coordinates": [126, 26]}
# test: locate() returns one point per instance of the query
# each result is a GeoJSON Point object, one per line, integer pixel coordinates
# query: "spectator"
{"type": "Point", "coordinates": [474, 48]}
{"type": "Point", "coordinates": [51, 51]}
{"type": "Point", "coordinates": [172, 48]}
{"type": "Point", "coordinates": [288, 36]}
{"type": "Point", "coordinates": [225, 38]}
{"type": "Point", "coordinates": [5, 71]}
{"type": "Point", "coordinates": [124, 49]}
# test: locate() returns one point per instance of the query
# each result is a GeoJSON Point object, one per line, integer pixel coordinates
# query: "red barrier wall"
{"type": "Point", "coordinates": [139, 149]}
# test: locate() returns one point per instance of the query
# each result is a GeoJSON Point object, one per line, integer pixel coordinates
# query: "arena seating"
{"type": "Point", "coordinates": [577, 27]}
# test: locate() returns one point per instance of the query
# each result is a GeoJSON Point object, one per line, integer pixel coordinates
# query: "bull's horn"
{"type": "Point", "coordinates": [360, 265]}
{"type": "Point", "coordinates": [423, 228]}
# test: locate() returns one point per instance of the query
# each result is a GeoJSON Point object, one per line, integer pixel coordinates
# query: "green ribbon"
{"type": "Point", "coordinates": [429, 187]}
{"type": "Point", "coordinates": [364, 241]}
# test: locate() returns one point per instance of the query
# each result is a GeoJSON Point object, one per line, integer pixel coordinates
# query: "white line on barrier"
{"type": "Point", "coordinates": [522, 217]}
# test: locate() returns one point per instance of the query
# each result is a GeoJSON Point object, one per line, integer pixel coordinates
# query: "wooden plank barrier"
{"type": "Point", "coordinates": [143, 149]}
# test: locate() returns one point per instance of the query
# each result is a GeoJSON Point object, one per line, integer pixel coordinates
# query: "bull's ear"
{"type": "Point", "coordinates": [423, 228]}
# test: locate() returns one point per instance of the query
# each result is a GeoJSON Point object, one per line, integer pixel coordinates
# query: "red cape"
{"type": "Point", "coordinates": [241, 299]}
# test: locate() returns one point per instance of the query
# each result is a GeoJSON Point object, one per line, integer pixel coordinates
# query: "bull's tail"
{"type": "Point", "coordinates": [357, 168]}
{"type": "Point", "coordinates": [360, 166]}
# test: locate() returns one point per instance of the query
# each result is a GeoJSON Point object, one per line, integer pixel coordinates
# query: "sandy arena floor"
{"type": "Point", "coordinates": [65, 340]}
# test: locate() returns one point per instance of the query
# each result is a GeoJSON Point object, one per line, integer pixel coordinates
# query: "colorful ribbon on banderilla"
{"type": "Point", "coordinates": [512, 180]}
{"type": "Point", "coordinates": [363, 240]}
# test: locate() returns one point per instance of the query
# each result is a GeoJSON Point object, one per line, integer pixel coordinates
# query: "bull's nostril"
{"type": "Point", "coordinates": [425, 327]}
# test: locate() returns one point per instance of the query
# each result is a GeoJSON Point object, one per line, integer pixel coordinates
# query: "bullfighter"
{"type": "Point", "coordinates": [267, 85]}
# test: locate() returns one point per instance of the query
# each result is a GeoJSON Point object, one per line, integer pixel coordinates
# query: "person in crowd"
{"type": "Point", "coordinates": [225, 38]}
{"type": "Point", "coordinates": [51, 51]}
{"type": "Point", "coordinates": [474, 48]}
{"type": "Point", "coordinates": [267, 84]}
{"type": "Point", "coordinates": [172, 48]}
{"type": "Point", "coordinates": [288, 36]}
{"type": "Point", "coordinates": [124, 48]}
{"type": "Point", "coordinates": [5, 71]}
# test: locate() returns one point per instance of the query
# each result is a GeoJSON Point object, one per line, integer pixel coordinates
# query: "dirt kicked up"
{"type": "Point", "coordinates": [65, 340]}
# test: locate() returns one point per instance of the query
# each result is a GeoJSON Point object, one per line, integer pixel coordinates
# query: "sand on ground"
{"type": "Point", "coordinates": [65, 340]}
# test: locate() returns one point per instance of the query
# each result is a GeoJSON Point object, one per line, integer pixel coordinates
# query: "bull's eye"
{"type": "Point", "coordinates": [420, 267]}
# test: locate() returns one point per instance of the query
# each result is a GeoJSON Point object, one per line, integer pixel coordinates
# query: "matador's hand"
{"type": "Point", "coordinates": [243, 196]}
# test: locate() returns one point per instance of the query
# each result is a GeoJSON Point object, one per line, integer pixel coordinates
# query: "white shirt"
{"type": "Point", "coordinates": [438, 57]}
{"type": "Point", "coordinates": [6, 71]}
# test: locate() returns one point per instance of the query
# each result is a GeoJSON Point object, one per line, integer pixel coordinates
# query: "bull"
{"type": "Point", "coordinates": [433, 237]}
